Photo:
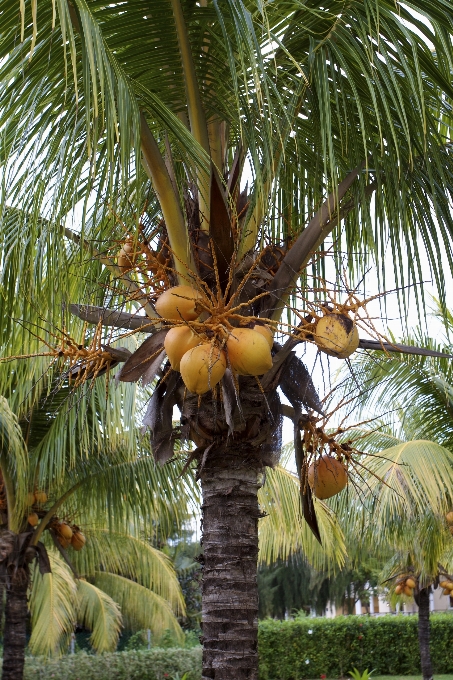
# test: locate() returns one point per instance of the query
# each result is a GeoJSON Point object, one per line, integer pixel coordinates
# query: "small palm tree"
{"type": "Point", "coordinates": [107, 492]}
{"type": "Point", "coordinates": [404, 503]}
{"type": "Point", "coordinates": [152, 118]}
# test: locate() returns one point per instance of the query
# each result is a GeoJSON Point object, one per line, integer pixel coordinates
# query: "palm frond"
{"type": "Point", "coordinates": [283, 531]}
{"type": "Point", "coordinates": [140, 607]}
{"type": "Point", "coordinates": [402, 494]}
{"type": "Point", "coordinates": [13, 465]}
{"type": "Point", "coordinates": [133, 558]}
{"type": "Point", "coordinates": [99, 613]}
{"type": "Point", "coordinates": [52, 605]}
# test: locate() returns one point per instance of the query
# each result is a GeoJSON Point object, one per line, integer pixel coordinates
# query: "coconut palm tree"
{"type": "Point", "coordinates": [150, 119]}
{"type": "Point", "coordinates": [405, 496]}
{"type": "Point", "coordinates": [118, 575]}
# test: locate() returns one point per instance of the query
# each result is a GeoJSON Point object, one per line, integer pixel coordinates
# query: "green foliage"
{"type": "Point", "coordinates": [357, 675]}
{"type": "Point", "coordinates": [155, 664]}
{"type": "Point", "coordinates": [388, 644]}
{"type": "Point", "coordinates": [294, 585]}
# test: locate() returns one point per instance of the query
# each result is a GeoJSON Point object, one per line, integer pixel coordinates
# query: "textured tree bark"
{"type": "Point", "coordinates": [423, 633]}
{"type": "Point", "coordinates": [229, 586]}
{"type": "Point", "coordinates": [14, 638]}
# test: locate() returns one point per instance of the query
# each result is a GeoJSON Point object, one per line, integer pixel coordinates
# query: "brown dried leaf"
{"type": "Point", "coordinates": [143, 358]}
{"type": "Point", "coordinates": [297, 385]}
{"type": "Point", "coordinates": [308, 509]}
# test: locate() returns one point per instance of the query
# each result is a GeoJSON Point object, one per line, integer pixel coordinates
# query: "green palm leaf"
{"type": "Point", "coordinates": [133, 558]}
{"type": "Point", "coordinates": [140, 607]}
{"type": "Point", "coordinates": [53, 607]}
{"type": "Point", "coordinates": [283, 532]}
{"type": "Point", "coordinates": [13, 465]}
{"type": "Point", "coordinates": [99, 613]}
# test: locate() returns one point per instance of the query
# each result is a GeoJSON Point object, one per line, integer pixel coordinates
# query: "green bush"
{"type": "Point", "coordinates": [332, 647]}
{"type": "Point", "coordinates": [155, 664]}
{"type": "Point", "coordinates": [294, 650]}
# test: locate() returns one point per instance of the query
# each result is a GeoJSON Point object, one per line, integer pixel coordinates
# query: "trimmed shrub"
{"type": "Point", "coordinates": [307, 648]}
{"type": "Point", "coordinates": [155, 664]}
{"type": "Point", "coordinates": [288, 650]}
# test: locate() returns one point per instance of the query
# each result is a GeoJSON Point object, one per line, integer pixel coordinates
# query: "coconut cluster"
{"type": "Point", "coordinates": [128, 257]}
{"type": "Point", "coordinates": [405, 586]}
{"type": "Point", "coordinates": [202, 350]}
{"type": "Point", "coordinates": [35, 499]}
{"type": "Point", "coordinates": [327, 476]}
{"type": "Point", "coordinates": [447, 585]}
{"type": "Point", "coordinates": [68, 535]}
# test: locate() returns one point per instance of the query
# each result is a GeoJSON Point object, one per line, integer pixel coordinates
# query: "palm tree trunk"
{"type": "Point", "coordinates": [230, 544]}
{"type": "Point", "coordinates": [423, 633]}
{"type": "Point", "coordinates": [14, 638]}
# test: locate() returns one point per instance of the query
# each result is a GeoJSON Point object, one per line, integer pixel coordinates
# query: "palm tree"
{"type": "Point", "coordinates": [62, 463]}
{"type": "Point", "coordinates": [326, 108]}
{"type": "Point", "coordinates": [406, 493]}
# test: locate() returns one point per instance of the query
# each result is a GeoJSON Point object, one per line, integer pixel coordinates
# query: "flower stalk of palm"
{"type": "Point", "coordinates": [329, 107]}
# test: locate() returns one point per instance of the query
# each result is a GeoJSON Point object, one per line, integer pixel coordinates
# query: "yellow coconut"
{"type": "Point", "coordinates": [408, 591]}
{"type": "Point", "coordinates": [410, 582]}
{"type": "Point", "coordinates": [450, 585]}
{"type": "Point", "coordinates": [179, 302]}
{"type": "Point", "coordinates": [266, 332]}
{"type": "Point", "coordinates": [33, 519]}
{"type": "Point", "coordinates": [443, 584]}
{"type": "Point", "coordinates": [446, 592]}
{"type": "Point", "coordinates": [41, 497]}
{"type": "Point", "coordinates": [202, 367]}
{"type": "Point", "coordinates": [449, 517]}
{"type": "Point", "coordinates": [78, 540]}
{"type": "Point", "coordinates": [177, 342]}
{"type": "Point", "coordinates": [327, 477]}
{"type": "Point", "coordinates": [398, 589]}
{"type": "Point", "coordinates": [336, 335]}
{"type": "Point", "coordinates": [65, 531]}
{"type": "Point", "coordinates": [31, 499]}
{"type": "Point", "coordinates": [249, 352]}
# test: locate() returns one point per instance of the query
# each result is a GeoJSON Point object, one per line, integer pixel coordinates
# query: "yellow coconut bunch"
{"type": "Point", "coordinates": [208, 333]}
{"type": "Point", "coordinates": [447, 585]}
{"type": "Point", "coordinates": [405, 586]}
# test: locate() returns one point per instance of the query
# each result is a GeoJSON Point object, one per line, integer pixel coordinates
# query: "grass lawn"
{"type": "Point", "coordinates": [410, 677]}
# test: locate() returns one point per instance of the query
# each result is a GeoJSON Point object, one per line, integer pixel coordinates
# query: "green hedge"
{"type": "Point", "coordinates": [155, 664]}
{"type": "Point", "coordinates": [333, 647]}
